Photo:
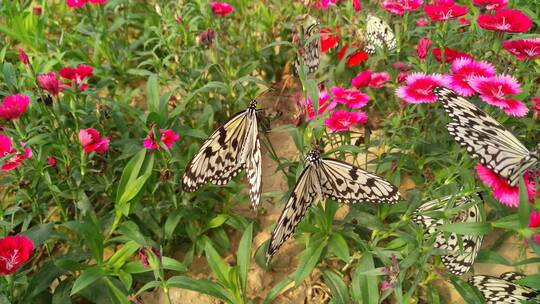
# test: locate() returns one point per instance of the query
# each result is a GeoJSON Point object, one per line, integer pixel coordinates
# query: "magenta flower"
{"type": "Point", "coordinates": [14, 252]}
{"type": "Point", "coordinates": [50, 83]}
{"type": "Point", "coordinates": [524, 48]}
{"type": "Point", "coordinates": [464, 70]}
{"type": "Point", "coordinates": [324, 105]}
{"type": "Point", "coordinates": [221, 8]}
{"type": "Point", "coordinates": [385, 285]}
{"type": "Point", "coordinates": [534, 222]}
{"type": "Point", "coordinates": [149, 142]}
{"type": "Point", "coordinates": [379, 79]}
{"type": "Point", "coordinates": [341, 120]}
{"type": "Point", "coordinates": [445, 10]}
{"type": "Point", "coordinates": [323, 4]}
{"type": "Point", "coordinates": [536, 105]}
{"type": "Point", "coordinates": [494, 90]}
{"type": "Point", "coordinates": [168, 137]}
{"type": "Point", "coordinates": [6, 148]}
{"type": "Point", "coordinates": [420, 86]}
{"type": "Point", "coordinates": [357, 5]}
{"type": "Point", "coordinates": [14, 106]}
{"type": "Point", "coordinates": [399, 7]}
{"type": "Point", "coordinates": [502, 191]}
{"type": "Point", "coordinates": [423, 47]}
{"type": "Point", "coordinates": [421, 21]}
{"type": "Point", "coordinates": [362, 79]}
{"type": "Point", "coordinates": [350, 98]}
{"type": "Point", "coordinates": [75, 3]}
{"type": "Point", "coordinates": [402, 76]}
{"type": "Point", "coordinates": [91, 141]}
{"type": "Point", "coordinates": [506, 20]}
{"type": "Point", "coordinates": [491, 5]}
{"type": "Point", "coordinates": [23, 57]}
{"type": "Point", "coordinates": [77, 75]}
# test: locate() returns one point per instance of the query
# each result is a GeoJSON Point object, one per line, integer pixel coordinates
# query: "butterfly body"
{"type": "Point", "coordinates": [379, 35]}
{"type": "Point", "coordinates": [486, 139]}
{"type": "Point", "coordinates": [503, 289]}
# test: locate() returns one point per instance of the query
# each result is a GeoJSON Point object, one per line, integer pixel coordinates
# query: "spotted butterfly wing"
{"type": "Point", "coordinates": [311, 50]}
{"type": "Point", "coordinates": [461, 261]}
{"type": "Point", "coordinates": [231, 148]}
{"type": "Point", "coordinates": [379, 35]}
{"type": "Point", "coordinates": [503, 290]}
{"type": "Point", "coordinates": [328, 179]}
{"type": "Point", "coordinates": [486, 139]}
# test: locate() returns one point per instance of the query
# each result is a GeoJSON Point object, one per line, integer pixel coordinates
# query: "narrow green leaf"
{"type": "Point", "coordinates": [533, 281]}
{"type": "Point", "coordinates": [219, 267]}
{"type": "Point", "coordinates": [121, 256]}
{"type": "Point", "coordinates": [309, 259]}
{"type": "Point", "coordinates": [340, 294]}
{"type": "Point", "coordinates": [87, 277]}
{"type": "Point", "coordinates": [172, 221]}
{"type": "Point", "coordinates": [152, 94]}
{"type": "Point", "coordinates": [132, 231]}
{"type": "Point", "coordinates": [364, 286]}
{"type": "Point", "coordinates": [466, 228]}
{"type": "Point", "coordinates": [172, 264]}
{"type": "Point", "coordinates": [524, 209]}
{"type": "Point", "coordinates": [278, 289]}
{"type": "Point", "coordinates": [244, 256]}
{"type": "Point", "coordinates": [467, 292]}
{"type": "Point", "coordinates": [338, 246]}
{"type": "Point", "coordinates": [9, 76]}
{"type": "Point", "coordinates": [491, 257]}
{"type": "Point", "coordinates": [433, 295]}
{"type": "Point", "coordinates": [117, 296]}
{"type": "Point", "coordinates": [203, 286]}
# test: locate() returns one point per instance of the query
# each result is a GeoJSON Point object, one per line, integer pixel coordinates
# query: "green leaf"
{"type": "Point", "coordinates": [433, 295]}
{"type": "Point", "coordinates": [313, 93]}
{"type": "Point", "coordinates": [172, 264]}
{"type": "Point", "coordinates": [149, 285]}
{"type": "Point", "coordinates": [533, 281]}
{"type": "Point", "coordinates": [466, 228]}
{"type": "Point", "coordinates": [38, 234]}
{"type": "Point", "coordinates": [116, 294]}
{"type": "Point", "coordinates": [338, 246]}
{"type": "Point", "coordinates": [218, 266]}
{"type": "Point", "coordinates": [41, 281]}
{"type": "Point", "coordinates": [152, 94]}
{"type": "Point", "coordinates": [9, 76]}
{"type": "Point", "coordinates": [492, 257]}
{"type": "Point", "coordinates": [524, 209]}
{"type": "Point", "coordinates": [340, 294]}
{"type": "Point", "coordinates": [132, 231]}
{"type": "Point", "coordinates": [278, 289]}
{"type": "Point", "coordinates": [217, 221]}
{"type": "Point", "coordinates": [172, 221]}
{"type": "Point", "coordinates": [121, 256]}
{"type": "Point", "coordinates": [203, 286]}
{"type": "Point", "coordinates": [467, 292]}
{"type": "Point", "coordinates": [87, 277]}
{"type": "Point", "coordinates": [508, 222]}
{"type": "Point", "coordinates": [244, 256]}
{"type": "Point", "coordinates": [365, 286]}
{"type": "Point", "coordinates": [309, 259]}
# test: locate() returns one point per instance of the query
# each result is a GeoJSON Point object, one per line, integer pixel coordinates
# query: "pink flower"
{"type": "Point", "coordinates": [379, 79]}
{"type": "Point", "coordinates": [51, 161]}
{"type": "Point", "coordinates": [494, 90]}
{"type": "Point", "coordinates": [399, 7]}
{"type": "Point", "coordinates": [77, 75]}
{"type": "Point", "coordinates": [323, 4]}
{"type": "Point", "coordinates": [98, 1]}
{"type": "Point", "coordinates": [324, 105]}
{"type": "Point", "coordinates": [421, 21]}
{"type": "Point", "coordinates": [491, 4]}
{"type": "Point", "coordinates": [362, 79]}
{"type": "Point", "coordinates": [14, 106]}
{"type": "Point", "coordinates": [328, 41]}
{"type": "Point", "coordinates": [449, 54]}
{"type": "Point", "coordinates": [351, 98]}
{"type": "Point", "coordinates": [534, 222]}
{"type": "Point", "coordinates": [444, 11]}
{"type": "Point", "coordinates": [420, 86]}
{"type": "Point", "coordinates": [50, 83]}
{"type": "Point", "coordinates": [14, 252]}
{"type": "Point", "coordinates": [221, 8]}
{"type": "Point", "coordinates": [341, 120]}
{"type": "Point", "coordinates": [6, 148]}
{"type": "Point", "coordinates": [37, 10]}
{"type": "Point", "coordinates": [149, 142]}
{"type": "Point", "coordinates": [91, 141]}
{"type": "Point", "coordinates": [506, 20]}
{"type": "Point", "coordinates": [466, 68]}
{"type": "Point", "coordinates": [536, 105]}
{"type": "Point", "coordinates": [357, 5]}
{"type": "Point", "coordinates": [355, 58]}
{"type": "Point", "coordinates": [385, 285]}
{"type": "Point", "coordinates": [144, 252]}
{"type": "Point", "coordinates": [524, 48]}
{"type": "Point", "coordinates": [75, 3]}
{"type": "Point", "coordinates": [502, 191]}
{"type": "Point", "coordinates": [423, 47]}
{"type": "Point", "coordinates": [23, 57]}
{"type": "Point", "coordinates": [169, 137]}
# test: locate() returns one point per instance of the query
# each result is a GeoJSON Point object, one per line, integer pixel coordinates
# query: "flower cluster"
{"type": "Point", "coordinates": [168, 138]}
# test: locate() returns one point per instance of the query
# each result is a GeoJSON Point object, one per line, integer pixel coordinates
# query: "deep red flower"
{"type": "Point", "coordinates": [91, 141]}
{"type": "Point", "coordinates": [14, 106]}
{"type": "Point", "coordinates": [362, 79]}
{"type": "Point", "coordinates": [423, 47]}
{"type": "Point", "coordinates": [536, 105]}
{"type": "Point", "coordinates": [524, 48]}
{"type": "Point", "coordinates": [355, 58]}
{"type": "Point", "coordinates": [207, 37]}
{"type": "Point", "coordinates": [37, 10]}
{"type": "Point", "coordinates": [221, 8]}
{"type": "Point", "coordinates": [449, 54]}
{"type": "Point", "coordinates": [77, 75]}
{"type": "Point", "coordinates": [491, 4]}
{"type": "Point", "coordinates": [506, 20]}
{"type": "Point", "coordinates": [50, 83]}
{"type": "Point", "coordinates": [328, 41]}
{"type": "Point", "coordinates": [14, 252]}
{"type": "Point", "coordinates": [444, 11]}
{"type": "Point", "coordinates": [51, 161]}
{"type": "Point", "coordinates": [23, 57]}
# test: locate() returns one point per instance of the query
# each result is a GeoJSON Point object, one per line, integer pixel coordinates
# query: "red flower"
{"type": "Point", "coordinates": [14, 106]}
{"type": "Point", "coordinates": [50, 83]}
{"type": "Point", "coordinates": [207, 38]}
{"type": "Point", "coordinates": [23, 57]}
{"type": "Point", "coordinates": [534, 222]}
{"type": "Point", "coordinates": [449, 54]}
{"type": "Point", "coordinates": [536, 105]}
{"type": "Point", "coordinates": [355, 58]}
{"type": "Point", "coordinates": [362, 79]}
{"type": "Point", "coordinates": [524, 48]}
{"type": "Point", "coordinates": [423, 47]}
{"type": "Point", "coordinates": [51, 161]}
{"type": "Point", "coordinates": [357, 5]}
{"type": "Point", "coordinates": [91, 141]}
{"type": "Point", "coordinates": [464, 21]}
{"type": "Point", "coordinates": [168, 137]}
{"type": "Point", "coordinates": [506, 20]}
{"type": "Point", "coordinates": [328, 41]}
{"type": "Point", "coordinates": [221, 8]}
{"type": "Point", "coordinates": [379, 79]}
{"type": "Point", "coordinates": [422, 21]}
{"type": "Point", "coordinates": [444, 11]}
{"type": "Point", "coordinates": [14, 252]}
{"type": "Point", "coordinates": [491, 4]}
{"type": "Point", "coordinates": [6, 148]}
{"type": "Point", "coordinates": [37, 10]}
{"type": "Point", "coordinates": [399, 7]}
{"type": "Point", "coordinates": [77, 75]}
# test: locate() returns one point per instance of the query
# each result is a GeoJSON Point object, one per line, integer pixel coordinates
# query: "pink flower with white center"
{"type": "Point", "coordinates": [168, 137]}
{"type": "Point", "coordinates": [324, 105]}
{"type": "Point", "coordinates": [444, 11]}
{"type": "Point", "coordinates": [422, 21]}
{"type": "Point", "coordinates": [92, 141]}
{"type": "Point", "coordinates": [362, 79]}
{"type": "Point", "coordinates": [420, 87]}
{"type": "Point", "coordinates": [50, 83]}
{"type": "Point", "coordinates": [341, 120]}
{"type": "Point", "coordinates": [524, 48]}
{"type": "Point", "coordinates": [14, 252]}
{"type": "Point", "coordinates": [423, 47]}
{"type": "Point", "coordinates": [534, 222]}
{"type": "Point", "coordinates": [502, 191]}
{"type": "Point", "coordinates": [14, 106]}
{"type": "Point", "coordinates": [466, 68]}
{"type": "Point", "coordinates": [378, 80]}
{"type": "Point", "coordinates": [351, 98]}
{"type": "Point", "coordinates": [491, 5]}
{"type": "Point", "coordinates": [506, 20]}
{"type": "Point", "coordinates": [494, 90]}
{"type": "Point", "coordinates": [399, 7]}
{"type": "Point", "coordinates": [221, 8]}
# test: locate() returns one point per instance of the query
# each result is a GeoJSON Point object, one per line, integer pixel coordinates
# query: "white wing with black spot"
{"type": "Point", "coordinates": [310, 52]}
{"type": "Point", "coordinates": [501, 291]}
{"type": "Point", "coordinates": [379, 35]}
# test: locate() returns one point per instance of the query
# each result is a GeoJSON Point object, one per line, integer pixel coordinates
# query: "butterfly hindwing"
{"type": "Point", "coordinates": [499, 290]}
{"type": "Point", "coordinates": [310, 53]}
{"type": "Point", "coordinates": [379, 35]}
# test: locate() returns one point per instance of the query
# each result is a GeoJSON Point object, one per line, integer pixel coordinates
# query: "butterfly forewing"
{"type": "Point", "coordinates": [379, 35]}
{"type": "Point", "coordinates": [310, 53]}
{"type": "Point", "coordinates": [498, 290]}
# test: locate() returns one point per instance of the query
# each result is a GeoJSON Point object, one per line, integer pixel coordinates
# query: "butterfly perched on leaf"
{"type": "Point", "coordinates": [232, 148]}
{"type": "Point", "coordinates": [379, 35]}
{"type": "Point", "coordinates": [462, 259]}
{"type": "Point", "coordinates": [503, 289]}
{"type": "Point", "coordinates": [328, 178]}
{"type": "Point", "coordinates": [310, 48]}
{"type": "Point", "coordinates": [486, 139]}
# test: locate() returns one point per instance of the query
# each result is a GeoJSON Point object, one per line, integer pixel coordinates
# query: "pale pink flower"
{"type": "Point", "coordinates": [14, 106]}
{"type": "Point", "coordinates": [341, 120]}
{"type": "Point", "coordinates": [378, 80]}
{"type": "Point", "coordinates": [362, 79]}
{"type": "Point", "coordinates": [464, 70]}
{"type": "Point", "coordinates": [91, 141]}
{"type": "Point", "coordinates": [420, 87]}
{"type": "Point", "coordinates": [494, 90]}
{"type": "Point", "coordinates": [351, 98]}
{"type": "Point", "coordinates": [50, 83]}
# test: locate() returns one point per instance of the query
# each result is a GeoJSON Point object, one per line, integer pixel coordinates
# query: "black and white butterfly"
{"type": "Point", "coordinates": [503, 289]}
{"type": "Point", "coordinates": [379, 35]}
{"type": "Point", "coordinates": [231, 148]}
{"type": "Point", "coordinates": [328, 179]}
{"type": "Point", "coordinates": [461, 261]}
{"type": "Point", "coordinates": [486, 139]}
{"type": "Point", "coordinates": [310, 50]}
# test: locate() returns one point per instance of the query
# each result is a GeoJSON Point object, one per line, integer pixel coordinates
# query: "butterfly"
{"type": "Point", "coordinates": [231, 148]}
{"type": "Point", "coordinates": [503, 289]}
{"type": "Point", "coordinates": [459, 262]}
{"type": "Point", "coordinates": [328, 179]}
{"type": "Point", "coordinates": [486, 139]}
{"type": "Point", "coordinates": [379, 35]}
{"type": "Point", "coordinates": [311, 49]}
